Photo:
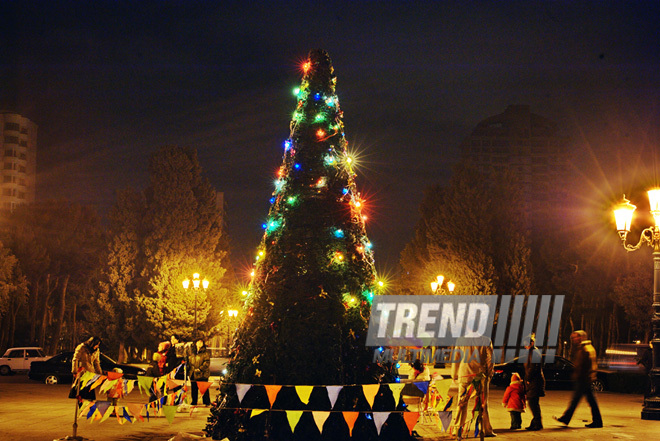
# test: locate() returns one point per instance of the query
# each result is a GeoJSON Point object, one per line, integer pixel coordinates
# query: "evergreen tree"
{"type": "Point", "coordinates": [309, 300]}
{"type": "Point", "coordinates": [158, 238]}
{"type": "Point", "coordinates": [473, 232]}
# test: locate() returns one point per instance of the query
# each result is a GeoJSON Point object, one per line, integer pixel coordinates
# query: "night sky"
{"type": "Point", "coordinates": [108, 83]}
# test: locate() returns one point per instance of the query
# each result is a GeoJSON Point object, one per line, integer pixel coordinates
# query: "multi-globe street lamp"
{"type": "Point", "coordinates": [196, 282]}
{"type": "Point", "coordinates": [437, 285]}
{"type": "Point", "coordinates": [623, 215]}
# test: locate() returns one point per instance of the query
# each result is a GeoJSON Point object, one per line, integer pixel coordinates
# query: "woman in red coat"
{"type": "Point", "coordinates": [514, 400]}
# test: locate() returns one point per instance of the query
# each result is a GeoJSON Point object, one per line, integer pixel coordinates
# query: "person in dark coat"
{"type": "Point", "coordinates": [584, 373]}
{"type": "Point", "coordinates": [199, 363]}
{"type": "Point", "coordinates": [534, 385]}
{"type": "Point", "coordinates": [175, 356]}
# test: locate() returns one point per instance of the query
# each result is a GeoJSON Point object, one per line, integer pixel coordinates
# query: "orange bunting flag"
{"type": "Point", "coordinates": [272, 391]}
{"type": "Point", "coordinates": [203, 386]}
{"type": "Point", "coordinates": [370, 391]}
{"type": "Point", "coordinates": [294, 417]}
{"type": "Point", "coordinates": [304, 392]}
{"type": "Point", "coordinates": [114, 375]}
{"type": "Point", "coordinates": [350, 418]}
{"type": "Point", "coordinates": [396, 389]}
{"type": "Point", "coordinates": [98, 381]}
{"type": "Point", "coordinates": [379, 419]}
{"type": "Point", "coordinates": [136, 410]}
{"type": "Point", "coordinates": [411, 419]}
{"type": "Point", "coordinates": [319, 419]}
{"type": "Point", "coordinates": [172, 384]}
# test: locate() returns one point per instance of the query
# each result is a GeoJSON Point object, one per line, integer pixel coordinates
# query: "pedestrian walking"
{"type": "Point", "coordinates": [534, 384]}
{"type": "Point", "coordinates": [584, 374]}
{"type": "Point", "coordinates": [514, 400]}
{"type": "Point", "coordinates": [199, 363]}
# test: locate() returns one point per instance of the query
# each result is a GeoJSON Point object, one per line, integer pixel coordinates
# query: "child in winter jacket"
{"type": "Point", "coordinates": [514, 400]}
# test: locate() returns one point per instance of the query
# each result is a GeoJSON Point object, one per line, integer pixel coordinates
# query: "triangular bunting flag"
{"type": "Point", "coordinates": [272, 391]}
{"type": "Point", "coordinates": [84, 407]}
{"type": "Point", "coordinates": [293, 416]}
{"type": "Point", "coordinates": [107, 413]}
{"type": "Point", "coordinates": [319, 419]}
{"type": "Point", "coordinates": [333, 393]}
{"type": "Point", "coordinates": [125, 415]}
{"type": "Point", "coordinates": [241, 390]}
{"type": "Point", "coordinates": [144, 383]}
{"type": "Point", "coordinates": [114, 375]}
{"type": "Point", "coordinates": [85, 378]}
{"type": "Point", "coordinates": [370, 391]}
{"type": "Point", "coordinates": [396, 389]}
{"type": "Point", "coordinates": [445, 419]}
{"type": "Point", "coordinates": [103, 406]}
{"type": "Point", "coordinates": [203, 386]}
{"type": "Point", "coordinates": [120, 418]}
{"type": "Point", "coordinates": [136, 410]}
{"type": "Point", "coordinates": [92, 409]}
{"type": "Point", "coordinates": [443, 388]}
{"type": "Point", "coordinates": [129, 385]}
{"type": "Point", "coordinates": [304, 392]}
{"type": "Point", "coordinates": [350, 418]}
{"type": "Point", "coordinates": [422, 385]}
{"type": "Point", "coordinates": [107, 385]}
{"type": "Point", "coordinates": [169, 412]}
{"type": "Point", "coordinates": [173, 384]}
{"type": "Point", "coordinates": [411, 419]}
{"type": "Point", "coordinates": [379, 419]}
{"type": "Point", "coordinates": [97, 382]}
{"type": "Point", "coordinates": [255, 412]}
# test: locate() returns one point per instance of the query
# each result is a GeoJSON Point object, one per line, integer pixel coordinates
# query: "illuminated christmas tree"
{"type": "Point", "coordinates": [308, 306]}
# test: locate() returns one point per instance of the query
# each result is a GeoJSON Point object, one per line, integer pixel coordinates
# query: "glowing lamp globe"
{"type": "Point", "coordinates": [623, 216]}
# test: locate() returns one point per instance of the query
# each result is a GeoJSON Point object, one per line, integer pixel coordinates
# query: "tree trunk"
{"type": "Point", "coordinates": [32, 310]}
{"type": "Point", "coordinates": [43, 325]}
{"type": "Point", "coordinates": [121, 357]}
{"type": "Point", "coordinates": [74, 327]}
{"type": "Point", "coordinates": [59, 316]}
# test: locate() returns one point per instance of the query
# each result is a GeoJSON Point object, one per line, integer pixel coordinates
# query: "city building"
{"type": "Point", "coordinates": [529, 146]}
{"type": "Point", "coordinates": [18, 144]}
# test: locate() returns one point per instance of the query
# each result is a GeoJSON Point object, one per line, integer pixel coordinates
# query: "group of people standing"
{"type": "Point", "coordinates": [192, 360]}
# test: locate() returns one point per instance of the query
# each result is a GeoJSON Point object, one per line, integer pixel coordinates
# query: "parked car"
{"type": "Point", "coordinates": [557, 374]}
{"type": "Point", "coordinates": [57, 369]}
{"type": "Point", "coordinates": [19, 359]}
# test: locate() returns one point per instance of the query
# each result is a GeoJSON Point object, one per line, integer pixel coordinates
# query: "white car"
{"type": "Point", "coordinates": [19, 359]}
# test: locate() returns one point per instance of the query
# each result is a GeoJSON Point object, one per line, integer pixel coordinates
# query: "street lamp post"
{"type": "Point", "coordinates": [196, 283]}
{"type": "Point", "coordinates": [623, 215]}
{"type": "Point", "coordinates": [437, 287]}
